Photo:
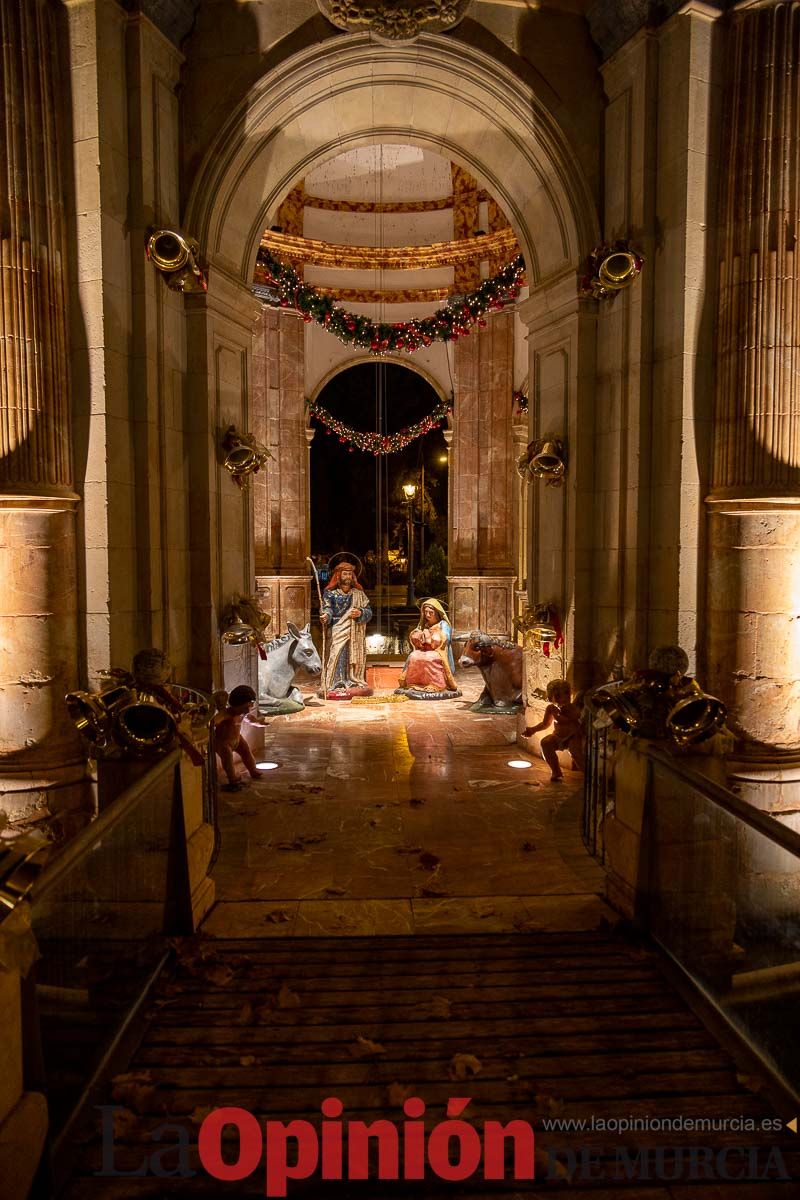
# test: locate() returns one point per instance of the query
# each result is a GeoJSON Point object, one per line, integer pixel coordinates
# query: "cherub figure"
{"type": "Point", "coordinates": [228, 737]}
{"type": "Point", "coordinates": [567, 732]}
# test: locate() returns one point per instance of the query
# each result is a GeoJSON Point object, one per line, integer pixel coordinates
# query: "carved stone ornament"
{"type": "Point", "coordinates": [394, 21]}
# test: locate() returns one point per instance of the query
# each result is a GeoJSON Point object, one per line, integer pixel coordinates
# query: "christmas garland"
{"type": "Point", "coordinates": [379, 443]}
{"type": "Point", "coordinates": [447, 324]}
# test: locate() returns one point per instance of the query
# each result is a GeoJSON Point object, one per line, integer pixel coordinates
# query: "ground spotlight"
{"type": "Point", "coordinates": [519, 763]}
{"type": "Point", "coordinates": [267, 766]}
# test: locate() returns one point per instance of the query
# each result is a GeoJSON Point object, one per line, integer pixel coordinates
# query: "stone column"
{"type": "Point", "coordinates": [481, 547]}
{"type": "Point", "coordinates": [42, 763]}
{"type": "Point", "coordinates": [753, 613]}
{"type": "Point", "coordinates": [282, 517]}
{"type": "Point", "coordinates": [521, 437]}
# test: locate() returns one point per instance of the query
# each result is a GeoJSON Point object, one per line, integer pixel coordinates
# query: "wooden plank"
{"type": "Point", "coordinates": [503, 1015]}
{"type": "Point", "coordinates": [275, 1094]}
{"type": "Point", "coordinates": [544, 1027]}
{"type": "Point", "coordinates": [167, 1061]}
{"type": "Point", "coordinates": [482, 1043]}
{"type": "Point", "coordinates": [557, 971]}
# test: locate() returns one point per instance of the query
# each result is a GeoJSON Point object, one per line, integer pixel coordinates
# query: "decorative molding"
{"type": "Point", "coordinates": [394, 21]}
{"type": "Point", "coordinates": [318, 253]}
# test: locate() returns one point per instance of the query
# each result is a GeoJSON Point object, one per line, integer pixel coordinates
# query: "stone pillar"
{"type": "Point", "coordinates": [481, 542]}
{"type": "Point", "coordinates": [753, 617]}
{"type": "Point", "coordinates": [561, 340]}
{"type": "Point", "coordinates": [23, 1112]}
{"type": "Point", "coordinates": [42, 762]}
{"type": "Point", "coordinates": [520, 437]}
{"type": "Point", "coordinates": [282, 513]}
{"type": "Point", "coordinates": [219, 326]}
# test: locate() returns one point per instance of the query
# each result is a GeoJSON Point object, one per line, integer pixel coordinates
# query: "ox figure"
{"type": "Point", "coordinates": [500, 664]}
{"type": "Point", "coordinates": [286, 655]}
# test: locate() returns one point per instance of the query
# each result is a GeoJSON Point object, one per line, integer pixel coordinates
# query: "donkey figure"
{"type": "Point", "coordinates": [286, 655]}
{"type": "Point", "coordinates": [500, 664]}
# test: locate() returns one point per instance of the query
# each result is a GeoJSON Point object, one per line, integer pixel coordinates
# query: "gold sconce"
{"type": "Point", "coordinates": [610, 269]}
{"type": "Point", "coordinates": [178, 258]}
{"type": "Point", "coordinates": [244, 456]}
{"type": "Point", "coordinates": [544, 459]}
{"type": "Point", "coordinates": [244, 622]}
{"type": "Point", "coordinates": [540, 627]}
{"type": "Point", "coordinates": [139, 715]}
{"type": "Point", "coordinates": [661, 702]}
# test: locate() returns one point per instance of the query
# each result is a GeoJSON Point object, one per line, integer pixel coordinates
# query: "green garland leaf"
{"type": "Point", "coordinates": [446, 325]}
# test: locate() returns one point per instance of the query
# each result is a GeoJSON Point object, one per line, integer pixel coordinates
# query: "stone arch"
{"type": "Point", "coordinates": [436, 93]}
{"type": "Point", "coordinates": [439, 94]}
{"type": "Point", "coordinates": [359, 359]}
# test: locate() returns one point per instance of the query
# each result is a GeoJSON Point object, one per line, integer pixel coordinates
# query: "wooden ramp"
{"type": "Point", "coordinates": [536, 1027]}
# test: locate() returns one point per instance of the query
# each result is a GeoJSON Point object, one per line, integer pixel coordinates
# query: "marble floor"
{"type": "Point", "coordinates": [401, 818]}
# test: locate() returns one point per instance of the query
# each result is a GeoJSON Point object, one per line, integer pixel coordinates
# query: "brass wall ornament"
{"type": "Point", "coordinates": [138, 714]}
{"type": "Point", "coordinates": [610, 269]}
{"type": "Point", "coordinates": [177, 257]}
{"type": "Point", "coordinates": [662, 703]}
{"type": "Point", "coordinates": [394, 21]}
{"type": "Point", "coordinates": [541, 629]}
{"type": "Point", "coordinates": [243, 455]}
{"type": "Point", "coordinates": [244, 622]}
{"type": "Point", "coordinates": [544, 458]}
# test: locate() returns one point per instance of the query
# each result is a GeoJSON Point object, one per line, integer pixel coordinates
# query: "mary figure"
{"type": "Point", "coordinates": [429, 670]}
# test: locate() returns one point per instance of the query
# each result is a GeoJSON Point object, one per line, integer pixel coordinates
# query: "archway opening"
{"type": "Point", "coordinates": [389, 509]}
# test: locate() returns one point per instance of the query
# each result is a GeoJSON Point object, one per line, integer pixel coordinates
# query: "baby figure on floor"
{"type": "Point", "coordinates": [228, 734]}
{"type": "Point", "coordinates": [567, 733]}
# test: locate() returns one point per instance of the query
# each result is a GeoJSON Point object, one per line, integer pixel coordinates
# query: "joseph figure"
{"type": "Point", "coordinates": [345, 611]}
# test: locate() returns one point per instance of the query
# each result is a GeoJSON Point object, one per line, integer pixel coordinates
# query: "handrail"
{"type": "Point", "coordinates": [80, 845]}
{"type": "Point", "coordinates": [780, 834]}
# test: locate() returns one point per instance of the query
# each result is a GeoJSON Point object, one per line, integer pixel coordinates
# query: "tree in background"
{"type": "Point", "coordinates": [431, 578]}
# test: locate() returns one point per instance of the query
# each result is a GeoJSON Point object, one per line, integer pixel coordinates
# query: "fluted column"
{"type": "Point", "coordinates": [41, 758]}
{"type": "Point", "coordinates": [754, 507]}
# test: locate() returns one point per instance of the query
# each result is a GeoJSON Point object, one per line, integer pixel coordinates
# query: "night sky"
{"type": "Point", "coordinates": [343, 484]}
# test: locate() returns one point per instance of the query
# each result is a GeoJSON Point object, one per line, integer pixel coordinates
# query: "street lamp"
{"type": "Point", "coordinates": [410, 491]}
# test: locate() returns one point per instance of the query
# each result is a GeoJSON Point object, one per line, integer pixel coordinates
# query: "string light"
{"type": "Point", "coordinates": [446, 325]}
{"type": "Point", "coordinates": [379, 443]}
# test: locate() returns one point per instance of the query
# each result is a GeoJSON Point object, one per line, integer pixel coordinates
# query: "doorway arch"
{"type": "Point", "coordinates": [437, 93]}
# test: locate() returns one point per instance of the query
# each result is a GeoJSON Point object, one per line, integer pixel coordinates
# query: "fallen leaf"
{"type": "Point", "coordinates": [287, 998]}
{"type": "Point", "coordinates": [529, 847]}
{"type": "Point", "coordinates": [220, 975]}
{"type": "Point", "coordinates": [247, 1060]}
{"type": "Point", "coordinates": [753, 1083]}
{"type": "Point", "coordinates": [134, 1089]}
{"type": "Point", "coordinates": [335, 891]}
{"type": "Point", "coordinates": [265, 1014]}
{"type": "Point", "coordinates": [278, 916]}
{"type": "Point", "coordinates": [416, 802]}
{"type": "Point", "coordinates": [428, 861]}
{"type": "Point", "coordinates": [549, 1165]}
{"type": "Point", "coordinates": [245, 1015]}
{"type": "Point", "coordinates": [125, 1122]}
{"type": "Point", "coordinates": [440, 1007]}
{"type": "Point", "coordinates": [464, 1066]}
{"type": "Point", "coordinates": [433, 893]}
{"type": "Point", "coordinates": [548, 1104]}
{"type": "Point", "coordinates": [363, 1047]}
{"type": "Point", "coordinates": [397, 1093]}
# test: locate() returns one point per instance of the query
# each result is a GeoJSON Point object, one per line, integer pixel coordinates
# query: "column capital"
{"type": "Point", "coordinates": [555, 300]}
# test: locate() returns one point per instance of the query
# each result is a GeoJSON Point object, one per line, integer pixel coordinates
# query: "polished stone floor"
{"type": "Point", "coordinates": [402, 818]}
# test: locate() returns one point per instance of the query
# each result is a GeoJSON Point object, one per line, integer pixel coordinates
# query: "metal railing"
{"type": "Point", "coordinates": [718, 891]}
{"type": "Point", "coordinates": [102, 912]}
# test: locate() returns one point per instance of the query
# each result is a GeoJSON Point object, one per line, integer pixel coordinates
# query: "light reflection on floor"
{"type": "Point", "coordinates": [401, 818]}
